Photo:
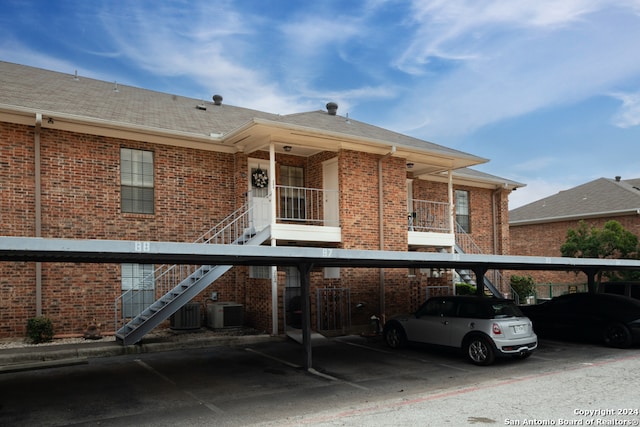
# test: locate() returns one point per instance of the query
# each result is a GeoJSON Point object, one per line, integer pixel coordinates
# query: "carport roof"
{"type": "Point", "coordinates": [116, 251]}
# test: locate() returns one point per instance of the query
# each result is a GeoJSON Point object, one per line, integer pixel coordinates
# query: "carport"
{"type": "Point", "coordinates": [32, 249]}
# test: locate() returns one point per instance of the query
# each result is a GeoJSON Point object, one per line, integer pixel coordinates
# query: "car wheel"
{"type": "Point", "coordinates": [617, 335]}
{"type": "Point", "coordinates": [394, 336]}
{"type": "Point", "coordinates": [480, 351]}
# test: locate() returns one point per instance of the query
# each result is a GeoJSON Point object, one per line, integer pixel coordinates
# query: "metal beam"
{"type": "Point", "coordinates": [118, 251]}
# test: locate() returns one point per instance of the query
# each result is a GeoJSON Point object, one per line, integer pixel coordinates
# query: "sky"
{"type": "Point", "coordinates": [547, 90]}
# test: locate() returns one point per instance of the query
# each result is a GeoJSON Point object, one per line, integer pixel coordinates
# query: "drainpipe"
{"type": "Point", "coordinates": [381, 227]}
{"type": "Point", "coordinates": [38, 209]}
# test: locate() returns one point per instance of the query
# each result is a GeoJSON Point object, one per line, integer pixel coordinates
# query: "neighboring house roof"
{"type": "Point", "coordinates": [602, 197]}
{"type": "Point", "coordinates": [72, 102]}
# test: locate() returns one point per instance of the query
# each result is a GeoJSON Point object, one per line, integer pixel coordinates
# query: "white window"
{"type": "Point", "coordinates": [462, 210]}
{"type": "Point", "coordinates": [136, 181]}
{"type": "Point", "coordinates": [138, 288]}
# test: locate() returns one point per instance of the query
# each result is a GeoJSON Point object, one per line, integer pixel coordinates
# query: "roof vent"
{"type": "Point", "coordinates": [618, 178]}
{"type": "Point", "coordinates": [332, 108]}
{"type": "Point", "coordinates": [217, 99]}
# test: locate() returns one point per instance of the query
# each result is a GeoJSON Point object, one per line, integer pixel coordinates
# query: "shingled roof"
{"type": "Point", "coordinates": [50, 92]}
{"type": "Point", "coordinates": [602, 197]}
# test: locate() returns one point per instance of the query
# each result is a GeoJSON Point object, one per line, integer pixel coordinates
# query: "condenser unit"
{"type": "Point", "coordinates": [224, 315]}
{"type": "Point", "coordinates": [187, 317]}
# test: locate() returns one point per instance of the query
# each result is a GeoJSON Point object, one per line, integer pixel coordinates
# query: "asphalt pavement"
{"type": "Point", "coordinates": [42, 356]}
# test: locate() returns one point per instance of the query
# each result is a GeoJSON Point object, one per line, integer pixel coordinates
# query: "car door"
{"type": "Point", "coordinates": [432, 322]}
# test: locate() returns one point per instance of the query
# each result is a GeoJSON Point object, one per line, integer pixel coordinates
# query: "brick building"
{"type": "Point", "coordinates": [540, 228]}
{"type": "Point", "coordinates": [88, 159]}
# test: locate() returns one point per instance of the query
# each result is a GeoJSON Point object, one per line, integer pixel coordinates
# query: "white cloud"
{"type": "Point", "coordinates": [507, 59]}
{"type": "Point", "coordinates": [629, 114]}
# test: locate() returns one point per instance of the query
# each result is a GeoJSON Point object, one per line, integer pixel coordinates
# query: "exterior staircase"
{"type": "Point", "coordinates": [186, 282]}
{"type": "Point", "coordinates": [465, 244]}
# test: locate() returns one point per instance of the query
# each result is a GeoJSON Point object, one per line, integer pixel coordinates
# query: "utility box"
{"type": "Point", "coordinates": [225, 315]}
{"type": "Point", "coordinates": [187, 317]}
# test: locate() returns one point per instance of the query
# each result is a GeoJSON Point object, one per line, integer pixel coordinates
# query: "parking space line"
{"type": "Point", "coordinates": [454, 367]}
{"type": "Point", "coordinates": [363, 346]}
{"type": "Point", "coordinates": [159, 374]}
{"type": "Point", "coordinates": [310, 370]}
{"type": "Point", "coordinates": [277, 359]}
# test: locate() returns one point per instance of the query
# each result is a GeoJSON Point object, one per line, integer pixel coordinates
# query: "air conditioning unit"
{"type": "Point", "coordinates": [224, 315]}
{"type": "Point", "coordinates": [187, 317]}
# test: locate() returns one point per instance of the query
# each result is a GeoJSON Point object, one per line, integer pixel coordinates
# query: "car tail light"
{"type": "Point", "coordinates": [496, 329]}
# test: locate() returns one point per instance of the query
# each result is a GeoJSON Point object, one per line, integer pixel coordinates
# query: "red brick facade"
{"type": "Point", "coordinates": [546, 239]}
{"type": "Point", "coordinates": [194, 190]}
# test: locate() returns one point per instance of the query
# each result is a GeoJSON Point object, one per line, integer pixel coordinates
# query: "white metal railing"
{"type": "Point", "coordinates": [166, 277]}
{"type": "Point", "coordinates": [429, 216]}
{"type": "Point", "coordinates": [469, 246]}
{"type": "Point", "coordinates": [301, 204]}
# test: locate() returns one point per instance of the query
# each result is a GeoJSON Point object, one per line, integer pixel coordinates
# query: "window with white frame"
{"type": "Point", "coordinates": [260, 272]}
{"type": "Point", "coordinates": [138, 288]}
{"type": "Point", "coordinates": [292, 195]}
{"type": "Point", "coordinates": [462, 210]}
{"type": "Point", "coordinates": [136, 181]}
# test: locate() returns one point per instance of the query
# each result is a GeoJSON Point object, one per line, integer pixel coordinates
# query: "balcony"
{"type": "Point", "coordinates": [429, 224]}
{"type": "Point", "coordinates": [306, 214]}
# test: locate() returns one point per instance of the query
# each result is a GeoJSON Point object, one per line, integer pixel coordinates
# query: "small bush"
{"type": "Point", "coordinates": [465, 289]}
{"type": "Point", "coordinates": [39, 330]}
{"type": "Point", "coordinates": [523, 285]}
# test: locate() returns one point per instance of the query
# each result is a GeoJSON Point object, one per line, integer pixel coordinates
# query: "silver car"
{"type": "Point", "coordinates": [483, 327]}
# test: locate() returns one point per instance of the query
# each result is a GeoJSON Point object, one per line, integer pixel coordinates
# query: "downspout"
{"type": "Point", "coordinates": [38, 209]}
{"type": "Point", "coordinates": [381, 228]}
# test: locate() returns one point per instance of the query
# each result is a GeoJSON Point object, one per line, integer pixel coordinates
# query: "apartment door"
{"type": "Point", "coordinates": [331, 200]}
{"type": "Point", "coordinates": [259, 193]}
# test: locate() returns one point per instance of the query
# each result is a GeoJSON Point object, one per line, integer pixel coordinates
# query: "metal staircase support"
{"type": "Point", "coordinates": [180, 295]}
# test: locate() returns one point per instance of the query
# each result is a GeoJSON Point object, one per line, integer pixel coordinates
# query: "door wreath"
{"type": "Point", "coordinates": [259, 178]}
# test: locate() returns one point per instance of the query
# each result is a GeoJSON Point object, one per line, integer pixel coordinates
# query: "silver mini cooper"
{"type": "Point", "coordinates": [483, 327]}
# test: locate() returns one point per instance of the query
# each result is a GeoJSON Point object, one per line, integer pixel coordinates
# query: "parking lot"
{"type": "Point", "coordinates": [356, 381]}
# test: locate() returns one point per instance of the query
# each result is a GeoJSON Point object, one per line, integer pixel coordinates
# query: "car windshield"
{"type": "Point", "coordinates": [504, 309]}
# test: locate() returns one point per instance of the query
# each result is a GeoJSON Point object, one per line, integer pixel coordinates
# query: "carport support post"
{"type": "Point", "coordinates": [591, 278]}
{"type": "Point", "coordinates": [480, 271]}
{"type": "Point", "coordinates": [305, 270]}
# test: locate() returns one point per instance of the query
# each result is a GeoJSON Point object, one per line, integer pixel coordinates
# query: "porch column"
{"type": "Point", "coordinates": [274, 269]}
{"type": "Point", "coordinates": [272, 181]}
{"type": "Point", "coordinates": [452, 222]}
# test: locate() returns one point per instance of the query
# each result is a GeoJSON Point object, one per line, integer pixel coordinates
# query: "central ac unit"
{"type": "Point", "coordinates": [187, 317]}
{"type": "Point", "coordinates": [224, 315]}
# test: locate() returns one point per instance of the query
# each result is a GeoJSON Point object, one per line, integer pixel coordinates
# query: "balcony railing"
{"type": "Point", "coordinates": [303, 205]}
{"type": "Point", "coordinates": [430, 216]}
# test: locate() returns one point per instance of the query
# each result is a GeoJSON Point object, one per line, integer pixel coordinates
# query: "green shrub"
{"type": "Point", "coordinates": [39, 330]}
{"type": "Point", "coordinates": [523, 285]}
{"type": "Point", "coordinates": [465, 289]}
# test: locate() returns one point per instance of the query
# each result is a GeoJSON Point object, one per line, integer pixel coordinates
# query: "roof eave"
{"type": "Point", "coordinates": [622, 212]}
{"type": "Point", "coordinates": [102, 127]}
{"type": "Point", "coordinates": [331, 140]}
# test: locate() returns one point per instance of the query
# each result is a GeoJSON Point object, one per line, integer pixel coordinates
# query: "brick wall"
{"type": "Point", "coordinates": [81, 200]}
{"type": "Point", "coordinates": [546, 240]}
{"type": "Point", "coordinates": [194, 190]}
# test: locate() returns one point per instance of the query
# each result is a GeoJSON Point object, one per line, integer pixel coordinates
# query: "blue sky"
{"type": "Point", "coordinates": [548, 90]}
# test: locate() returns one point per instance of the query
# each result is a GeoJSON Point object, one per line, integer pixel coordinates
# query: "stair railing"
{"type": "Point", "coordinates": [469, 246]}
{"type": "Point", "coordinates": [165, 277]}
